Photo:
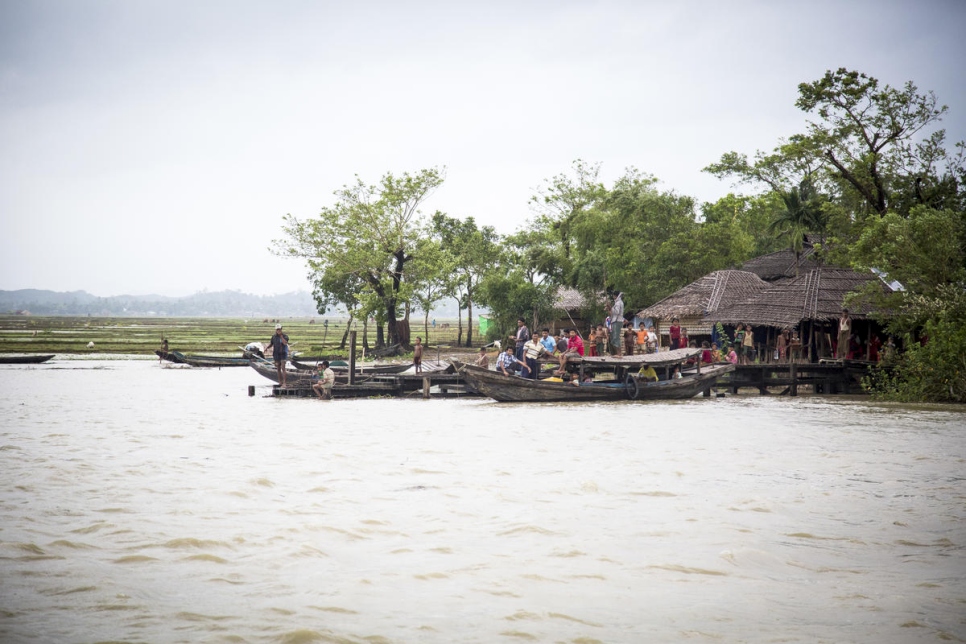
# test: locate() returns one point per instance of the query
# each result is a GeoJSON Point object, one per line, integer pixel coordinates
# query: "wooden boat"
{"type": "Point", "coordinates": [295, 377]}
{"type": "Point", "coordinates": [201, 361]}
{"type": "Point", "coordinates": [622, 385]}
{"type": "Point", "coordinates": [26, 359]}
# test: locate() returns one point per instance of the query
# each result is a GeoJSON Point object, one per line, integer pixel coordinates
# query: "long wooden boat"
{"type": "Point", "coordinates": [201, 361]}
{"type": "Point", "coordinates": [624, 384]}
{"type": "Point", "coordinates": [295, 377]}
{"type": "Point", "coordinates": [26, 359]}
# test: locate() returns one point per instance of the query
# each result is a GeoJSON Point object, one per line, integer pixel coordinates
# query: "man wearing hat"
{"type": "Point", "coordinates": [278, 345]}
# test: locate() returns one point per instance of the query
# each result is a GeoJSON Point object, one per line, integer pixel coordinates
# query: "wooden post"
{"type": "Point", "coordinates": [352, 357]}
{"type": "Point", "coordinates": [793, 374]}
{"type": "Point", "coordinates": [251, 390]}
{"type": "Point", "coordinates": [426, 385]}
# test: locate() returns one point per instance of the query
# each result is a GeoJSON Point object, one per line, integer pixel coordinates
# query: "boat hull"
{"type": "Point", "coordinates": [34, 359]}
{"type": "Point", "coordinates": [516, 389]}
{"type": "Point", "coordinates": [201, 361]}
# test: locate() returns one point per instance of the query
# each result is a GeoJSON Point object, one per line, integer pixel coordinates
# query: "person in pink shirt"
{"type": "Point", "coordinates": [575, 343]}
{"type": "Point", "coordinates": [575, 347]}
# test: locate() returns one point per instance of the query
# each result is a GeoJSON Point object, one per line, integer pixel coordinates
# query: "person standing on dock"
{"type": "Point", "coordinates": [279, 347]}
{"type": "Point", "coordinates": [326, 378]}
{"type": "Point", "coordinates": [845, 332]}
{"type": "Point", "coordinates": [418, 355]}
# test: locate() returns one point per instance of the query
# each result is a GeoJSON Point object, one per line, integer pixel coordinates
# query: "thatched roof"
{"type": "Point", "coordinates": [570, 299]}
{"type": "Point", "coordinates": [711, 292]}
{"type": "Point", "coordinates": [815, 295]}
{"type": "Point", "coordinates": [782, 264]}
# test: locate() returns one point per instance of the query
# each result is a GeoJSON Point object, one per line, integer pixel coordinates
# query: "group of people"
{"type": "Point", "coordinates": [322, 380]}
{"type": "Point", "coordinates": [523, 354]}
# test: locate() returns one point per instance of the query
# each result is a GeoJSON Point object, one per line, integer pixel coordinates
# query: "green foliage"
{"type": "Point", "coordinates": [872, 139]}
{"type": "Point", "coordinates": [934, 371]}
{"type": "Point", "coordinates": [359, 248]}
{"type": "Point", "coordinates": [923, 252]}
{"type": "Point", "coordinates": [471, 251]}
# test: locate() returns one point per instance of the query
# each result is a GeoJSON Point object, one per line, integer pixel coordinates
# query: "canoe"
{"type": "Point", "coordinates": [622, 385]}
{"type": "Point", "coordinates": [295, 377]}
{"type": "Point", "coordinates": [28, 359]}
{"type": "Point", "coordinates": [201, 361]}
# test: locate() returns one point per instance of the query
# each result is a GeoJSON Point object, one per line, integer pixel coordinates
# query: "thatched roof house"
{"type": "Point", "coordinates": [572, 304]}
{"type": "Point", "coordinates": [815, 296]}
{"type": "Point", "coordinates": [782, 265]}
{"type": "Point", "coordinates": [692, 303]}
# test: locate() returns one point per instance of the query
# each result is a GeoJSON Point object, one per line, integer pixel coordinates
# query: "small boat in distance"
{"type": "Point", "coordinates": [25, 359]}
{"type": "Point", "coordinates": [201, 361]}
{"type": "Point", "coordinates": [619, 383]}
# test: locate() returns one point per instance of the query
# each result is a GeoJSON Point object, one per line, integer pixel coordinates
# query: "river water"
{"type": "Point", "coordinates": [148, 504]}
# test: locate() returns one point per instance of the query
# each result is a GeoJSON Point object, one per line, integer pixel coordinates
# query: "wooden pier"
{"type": "Point", "coordinates": [827, 377]}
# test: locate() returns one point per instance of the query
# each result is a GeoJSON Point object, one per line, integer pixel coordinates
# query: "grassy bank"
{"type": "Point", "coordinates": [71, 335]}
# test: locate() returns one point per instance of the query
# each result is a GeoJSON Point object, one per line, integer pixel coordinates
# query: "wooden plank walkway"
{"type": "Point", "coordinates": [829, 377]}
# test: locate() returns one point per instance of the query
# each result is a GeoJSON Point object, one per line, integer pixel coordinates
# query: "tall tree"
{"type": "Point", "coordinates": [872, 136]}
{"type": "Point", "coordinates": [472, 250]}
{"type": "Point", "coordinates": [370, 233]}
{"type": "Point", "coordinates": [801, 215]}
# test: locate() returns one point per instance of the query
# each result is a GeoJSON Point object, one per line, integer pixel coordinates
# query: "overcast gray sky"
{"type": "Point", "coordinates": [154, 146]}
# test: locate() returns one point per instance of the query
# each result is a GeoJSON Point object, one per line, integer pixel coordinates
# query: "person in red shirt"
{"type": "Point", "coordinates": [575, 343]}
{"type": "Point", "coordinates": [675, 332]}
{"type": "Point", "coordinates": [575, 347]}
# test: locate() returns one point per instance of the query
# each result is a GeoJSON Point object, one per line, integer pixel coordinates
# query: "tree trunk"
{"type": "Point", "coordinates": [365, 333]}
{"type": "Point", "coordinates": [469, 315]}
{"type": "Point", "coordinates": [345, 336]}
{"type": "Point", "coordinates": [380, 336]}
{"type": "Point", "coordinates": [459, 326]}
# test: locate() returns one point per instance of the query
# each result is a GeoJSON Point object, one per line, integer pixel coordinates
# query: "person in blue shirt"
{"type": "Point", "coordinates": [508, 361]}
{"type": "Point", "coordinates": [548, 342]}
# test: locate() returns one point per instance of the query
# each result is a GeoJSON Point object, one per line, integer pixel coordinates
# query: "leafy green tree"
{"type": "Point", "coordinates": [472, 249]}
{"type": "Point", "coordinates": [924, 251]}
{"type": "Point", "coordinates": [370, 234]}
{"type": "Point", "coordinates": [431, 275]}
{"type": "Point", "coordinates": [876, 142]}
{"type": "Point", "coordinates": [933, 366]}
{"type": "Point", "coordinates": [746, 221]}
{"type": "Point", "coordinates": [802, 214]}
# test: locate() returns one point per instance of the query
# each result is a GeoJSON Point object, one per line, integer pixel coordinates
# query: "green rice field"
{"type": "Point", "coordinates": [118, 335]}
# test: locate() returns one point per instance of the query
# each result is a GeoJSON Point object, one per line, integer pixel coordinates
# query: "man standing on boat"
{"type": "Point", "coordinates": [279, 348]}
{"type": "Point", "coordinates": [522, 336]}
{"type": "Point", "coordinates": [617, 324]}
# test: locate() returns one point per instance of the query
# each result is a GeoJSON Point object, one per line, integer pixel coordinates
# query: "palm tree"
{"type": "Point", "coordinates": [802, 215]}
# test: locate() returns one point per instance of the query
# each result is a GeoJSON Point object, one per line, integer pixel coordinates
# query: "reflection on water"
{"type": "Point", "coordinates": [143, 503]}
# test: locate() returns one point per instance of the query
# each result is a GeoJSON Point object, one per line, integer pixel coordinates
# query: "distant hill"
{"type": "Point", "coordinates": [204, 304]}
